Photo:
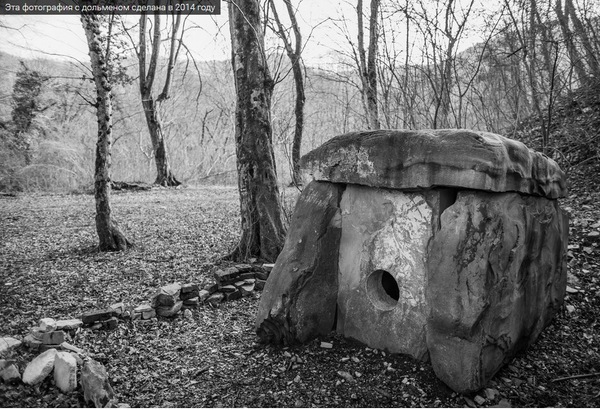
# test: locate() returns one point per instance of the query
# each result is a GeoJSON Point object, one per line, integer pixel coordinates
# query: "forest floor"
{"type": "Point", "coordinates": [49, 267]}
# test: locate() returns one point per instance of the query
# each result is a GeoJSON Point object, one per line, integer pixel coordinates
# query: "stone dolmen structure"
{"type": "Point", "coordinates": [446, 245]}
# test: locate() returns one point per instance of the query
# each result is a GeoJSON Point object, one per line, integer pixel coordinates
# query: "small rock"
{"type": "Point", "coordinates": [37, 332]}
{"type": "Point", "coordinates": [227, 288]}
{"type": "Point", "coordinates": [239, 283]}
{"type": "Point", "coordinates": [167, 295]}
{"type": "Point", "coordinates": [110, 324]}
{"type": "Point", "coordinates": [118, 308]}
{"type": "Point", "coordinates": [65, 372]}
{"type": "Point", "coordinates": [8, 343]}
{"type": "Point", "coordinates": [299, 403]}
{"type": "Point", "coordinates": [211, 288]}
{"type": "Point", "coordinates": [572, 290]}
{"type": "Point", "coordinates": [268, 267]}
{"type": "Point", "coordinates": [503, 404]}
{"type": "Point", "coordinates": [39, 368]}
{"type": "Point", "coordinates": [148, 314]}
{"type": "Point", "coordinates": [189, 287]}
{"type": "Point", "coordinates": [490, 393]}
{"type": "Point", "coordinates": [53, 338]}
{"type": "Point", "coordinates": [479, 400]}
{"type": "Point", "coordinates": [10, 373]}
{"type": "Point", "coordinates": [469, 402]}
{"type": "Point", "coordinates": [260, 284]}
{"type": "Point", "coordinates": [203, 295]}
{"type": "Point", "coordinates": [247, 276]}
{"type": "Point", "coordinates": [68, 324]}
{"type": "Point", "coordinates": [192, 302]}
{"type": "Point", "coordinates": [215, 298]}
{"type": "Point", "coordinates": [96, 326]}
{"type": "Point", "coordinates": [326, 345]}
{"type": "Point", "coordinates": [247, 289]}
{"type": "Point", "coordinates": [188, 314]}
{"type": "Point", "coordinates": [226, 276]}
{"type": "Point", "coordinates": [233, 295]}
{"type": "Point", "coordinates": [96, 316]}
{"type": "Point", "coordinates": [262, 275]}
{"type": "Point", "coordinates": [345, 375]}
{"type": "Point", "coordinates": [169, 311]}
{"type": "Point", "coordinates": [570, 309]}
{"type": "Point", "coordinates": [32, 342]}
{"type": "Point", "coordinates": [47, 324]}
{"type": "Point", "coordinates": [96, 387]}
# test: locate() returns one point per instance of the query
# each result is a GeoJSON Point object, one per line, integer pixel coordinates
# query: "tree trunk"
{"type": "Point", "coordinates": [111, 237]}
{"type": "Point", "coordinates": [263, 231]}
{"type": "Point", "coordinates": [367, 63]}
{"type": "Point", "coordinates": [295, 56]}
{"type": "Point", "coordinates": [164, 175]}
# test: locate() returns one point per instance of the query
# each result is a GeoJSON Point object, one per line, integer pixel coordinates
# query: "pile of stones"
{"type": "Point", "coordinates": [62, 360]}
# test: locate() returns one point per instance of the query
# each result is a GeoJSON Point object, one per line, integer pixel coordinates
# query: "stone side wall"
{"type": "Point", "coordinates": [496, 276]}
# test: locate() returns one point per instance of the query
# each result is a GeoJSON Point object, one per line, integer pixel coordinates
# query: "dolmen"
{"type": "Point", "coordinates": [446, 245]}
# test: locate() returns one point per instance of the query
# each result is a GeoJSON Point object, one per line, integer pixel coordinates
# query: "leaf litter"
{"type": "Point", "coordinates": [50, 268]}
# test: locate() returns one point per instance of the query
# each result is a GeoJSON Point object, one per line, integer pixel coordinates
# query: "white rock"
{"type": "Point", "coordinates": [65, 372]}
{"type": "Point", "coordinates": [68, 324]}
{"type": "Point", "coordinates": [10, 373]}
{"type": "Point", "coordinates": [40, 367]}
{"type": "Point", "coordinates": [47, 324]}
{"type": "Point", "coordinates": [7, 343]}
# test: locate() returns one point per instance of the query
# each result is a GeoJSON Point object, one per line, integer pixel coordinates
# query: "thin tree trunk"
{"type": "Point", "coordinates": [367, 62]}
{"type": "Point", "coordinates": [263, 231]}
{"type": "Point", "coordinates": [164, 174]}
{"type": "Point", "coordinates": [294, 54]}
{"type": "Point", "coordinates": [111, 237]}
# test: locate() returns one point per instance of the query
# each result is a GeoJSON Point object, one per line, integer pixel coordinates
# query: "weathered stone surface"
{"type": "Point", "coordinates": [383, 252]}
{"type": "Point", "coordinates": [96, 387]}
{"type": "Point", "coordinates": [203, 295]}
{"type": "Point", "coordinates": [65, 372]}
{"type": "Point", "coordinates": [8, 343]}
{"type": "Point", "coordinates": [428, 158]}
{"type": "Point", "coordinates": [40, 367]}
{"type": "Point", "coordinates": [191, 302]}
{"type": "Point", "coordinates": [32, 342]}
{"type": "Point", "coordinates": [189, 287]}
{"type": "Point", "coordinates": [70, 347]}
{"type": "Point", "coordinates": [215, 298]}
{"type": "Point", "coordinates": [227, 288]}
{"type": "Point", "coordinates": [169, 311]}
{"type": "Point", "coordinates": [110, 324]}
{"type": "Point", "coordinates": [68, 324]}
{"type": "Point", "coordinates": [96, 316]}
{"type": "Point", "coordinates": [10, 373]}
{"type": "Point", "coordinates": [118, 308]}
{"type": "Point", "coordinates": [247, 275]}
{"type": "Point", "coordinates": [496, 276]}
{"type": "Point", "coordinates": [167, 295]}
{"type": "Point", "coordinates": [235, 295]}
{"type": "Point", "coordinates": [247, 289]}
{"type": "Point", "coordinates": [262, 275]}
{"type": "Point", "coordinates": [299, 299]}
{"type": "Point", "coordinates": [47, 324]}
{"type": "Point", "coordinates": [53, 338]}
{"type": "Point", "coordinates": [212, 288]}
{"type": "Point", "coordinates": [226, 276]}
{"type": "Point", "coordinates": [37, 332]}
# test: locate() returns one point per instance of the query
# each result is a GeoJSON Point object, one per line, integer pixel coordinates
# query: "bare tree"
{"type": "Point", "coordinates": [263, 231]}
{"type": "Point", "coordinates": [151, 104]}
{"type": "Point", "coordinates": [294, 53]}
{"type": "Point", "coordinates": [367, 62]}
{"type": "Point", "coordinates": [109, 233]}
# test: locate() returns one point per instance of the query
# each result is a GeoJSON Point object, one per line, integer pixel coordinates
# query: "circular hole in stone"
{"type": "Point", "coordinates": [383, 289]}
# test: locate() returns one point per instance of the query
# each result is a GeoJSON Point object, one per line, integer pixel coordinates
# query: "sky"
{"type": "Point", "coordinates": [207, 38]}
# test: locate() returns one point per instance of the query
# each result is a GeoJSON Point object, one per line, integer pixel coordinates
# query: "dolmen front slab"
{"type": "Point", "coordinates": [447, 245]}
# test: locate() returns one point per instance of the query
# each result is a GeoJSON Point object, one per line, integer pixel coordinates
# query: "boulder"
{"type": "Point", "coordinates": [8, 343]}
{"type": "Point", "coordinates": [401, 159]}
{"type": "Point", "coordinates": [40, 367]}
{"type": "Point", "coordinates": [299, 299]}
{"type": "Point", "coordinates": [167, 295]}
{"type": "Point", "coordinates": [96, 387]}
{"type": "Point", "coordinates": [504, 255]}
{"type": "Point", "coordinates": [65, 372]}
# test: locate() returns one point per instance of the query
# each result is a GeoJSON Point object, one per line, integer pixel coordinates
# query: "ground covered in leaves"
{"type": "Point", "coordinates": [49, 267]}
